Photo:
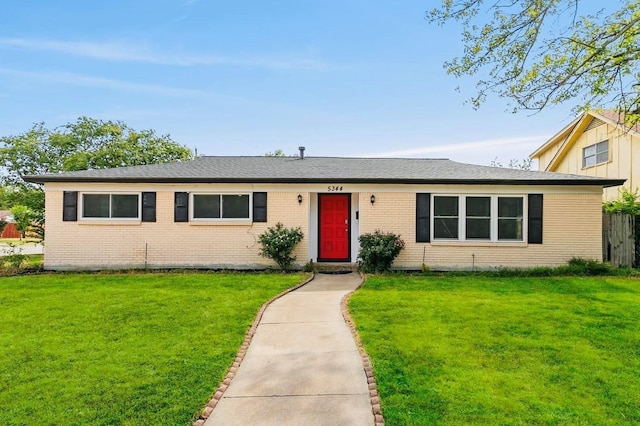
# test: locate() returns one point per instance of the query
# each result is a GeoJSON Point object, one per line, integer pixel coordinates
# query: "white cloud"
{"type": "Point", "coordinates": [130, 52]}
{"type": "Point", "coordinates": [477, 152]}
{"type": "Point", "coordinates": [108, 83]}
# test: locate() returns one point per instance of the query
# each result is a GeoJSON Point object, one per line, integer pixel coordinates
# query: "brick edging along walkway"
{"type": "Point", "coordinates": [366, 362]}
{"type": "Point", "coordinates": [217, 396]}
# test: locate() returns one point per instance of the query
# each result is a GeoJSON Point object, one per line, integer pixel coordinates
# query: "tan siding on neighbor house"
{"type": "Point", "coordinates": [166, 243]}
{"type": "Point", "coordinates": [624, 157]}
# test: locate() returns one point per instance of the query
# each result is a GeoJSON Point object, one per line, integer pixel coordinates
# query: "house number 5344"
{"type": "Point", "coordinates": [334, 188]}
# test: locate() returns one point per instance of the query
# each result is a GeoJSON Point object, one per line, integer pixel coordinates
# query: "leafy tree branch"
{"type": "Point", "coordinates": [537, 53]}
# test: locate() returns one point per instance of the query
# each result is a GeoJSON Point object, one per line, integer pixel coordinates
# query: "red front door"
{"type": "Point", "coordinates": [334, 227]}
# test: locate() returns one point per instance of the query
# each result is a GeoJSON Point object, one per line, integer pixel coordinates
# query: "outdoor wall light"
{"type": "Point", "coordinates": [373, 199]}
{"type": "Point", "coordinates": [299, 199]}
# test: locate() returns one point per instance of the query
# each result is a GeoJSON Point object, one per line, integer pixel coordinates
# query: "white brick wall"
{"type": "Point", "coordinates": [572, 227]}
{"type": "Point", "coordinates": [167, 244]}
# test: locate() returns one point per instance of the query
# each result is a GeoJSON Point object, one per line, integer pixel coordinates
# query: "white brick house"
{"type": "Point", "coordinates": [208, 213]}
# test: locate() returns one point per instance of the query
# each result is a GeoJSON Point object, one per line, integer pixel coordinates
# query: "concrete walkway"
{"type": "Point", "coordinates": [302, 366]}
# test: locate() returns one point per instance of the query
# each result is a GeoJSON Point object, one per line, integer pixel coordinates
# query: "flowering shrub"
{"type": "Point", "coordinates": [378, 251]}
{"type": "Point", "coordinates": [278, 243]}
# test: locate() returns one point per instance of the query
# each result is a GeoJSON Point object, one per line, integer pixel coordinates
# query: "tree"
{"type": "Point", "coordinates": [543, 52]}
{"type": "Point", "coordinates": [277, 153]}
{"type": "Point", "coordinates": [23, 217]}
{"type": "Point", "coordinates": [524, 164]}
{"type": "Point", "coordinates": [85, 144]}
{"type": "Point", "coordinates": [627, 203]}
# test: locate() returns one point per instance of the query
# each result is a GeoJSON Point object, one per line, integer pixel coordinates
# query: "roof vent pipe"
{"type": "Point", "coordinates": [301, 148]}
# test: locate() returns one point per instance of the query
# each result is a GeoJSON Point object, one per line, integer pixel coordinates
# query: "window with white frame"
{"type": "Point", "coordinates": [445, 217]}
{"type": "Point", "coordinates": [110, 206]}
{"type": "Point", "coordinates": [221, 206]}
{"type": "Point", "coordinates": [510, 218]}
{"type": "Point", "coordinates": [478, 217]}
{"type": "Point", "coordinates": [595, 154]}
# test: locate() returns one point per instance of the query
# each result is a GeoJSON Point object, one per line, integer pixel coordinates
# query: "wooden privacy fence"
{"type": "Point", "coordinates": [619, 239]}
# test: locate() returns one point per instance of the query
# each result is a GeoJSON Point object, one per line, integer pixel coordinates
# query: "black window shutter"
{"type": "Point", "coordinates": [148, 206]}
{"type": "Point", "coordinates": [535, 219]}
{"type": "Point", "coordinates": [70, 206]}
{"type": "Point", "coordinates": [259, 206]}
{"type": "Point", "coordinates": [423, 219]}
{"type": "Point", "coordinates": [181, 207]}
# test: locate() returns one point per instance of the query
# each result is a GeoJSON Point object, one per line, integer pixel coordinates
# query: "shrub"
{"type": "Point", "coordinates": [278, 243]}
{"type": "Point", "coordinates": [378, 251]}
{"type": "Point", "coordinates": [13, 257]}
{"type": "Point", "coordinates": [581, 266]}
{"type": "Point", "coordinates": [627, 203]}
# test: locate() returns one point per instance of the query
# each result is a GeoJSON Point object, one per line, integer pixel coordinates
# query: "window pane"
{"type": "Point", "coordinates": [602, 157]}
{"type": "Point", "coordinates": [602, 146]}
{"type": "Point", "coordinates": [510, 229]}
{"type": "Point", "coordinates": [478, 229]}
{"type": "Point", "coordinates": [95, 205]}
{"type": "Point", "coordinates": [235, 206]}
{"type": "Point", "coordinates": [206, 206]}
{"type": "Point", "coordinates": [445, 206]}
{"type": "Point", "coordinates": [445, 228]}
{"type": "Point", "coordinates": [590, 150]}
{"type": "Point", "coordinates": [124, 205]}
{"type": "Point", "coordinates": [589, 161]}
{"type": "Point", "coordinates": [479, 206]}
{"type": "Point", "coordinates": [509, 207]}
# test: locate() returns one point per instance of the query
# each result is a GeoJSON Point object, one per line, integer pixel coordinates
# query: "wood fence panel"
{"type": "Point", "coordinates": [10, 231]}
{"type": "Point", "coordinates": [618, 239]}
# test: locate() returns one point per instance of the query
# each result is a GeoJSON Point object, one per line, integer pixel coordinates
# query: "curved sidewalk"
{"type": "Point", "coordinates": [302, 366]}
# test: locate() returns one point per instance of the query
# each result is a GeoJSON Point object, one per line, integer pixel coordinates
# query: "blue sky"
{"type": "Point", "coordinates": [355, 78]}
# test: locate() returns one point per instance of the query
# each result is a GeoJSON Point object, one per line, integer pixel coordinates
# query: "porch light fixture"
{"type": "Point", "coordinates": [299, 199]}
{"type": "Point", "coordinates": [373, 199]}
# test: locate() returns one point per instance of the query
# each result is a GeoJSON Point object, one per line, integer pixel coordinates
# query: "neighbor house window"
{"type": "Point", "coordinates": [221, 206]}
{"type": "Point", "coordinates": [595, 154]}
{"type": "Point", "coordinates": [110, 206]}
{"type": "Point", "coordinates": [474, 218]}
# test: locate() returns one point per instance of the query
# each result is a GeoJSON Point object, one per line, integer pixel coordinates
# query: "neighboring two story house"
{"type": "Point", "coordinates": [595, 144]}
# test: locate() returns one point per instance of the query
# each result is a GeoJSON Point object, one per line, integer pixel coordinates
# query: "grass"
{"type": "Point", "coordinates": [480, 350]}
{"type": "Point", "coordinates": [122, 349]}
{"type": "Point", "coordinates": [33, 261]}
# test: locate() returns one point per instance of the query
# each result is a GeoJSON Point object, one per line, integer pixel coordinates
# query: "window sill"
{"type": "Point", "coordinates": [480, 243]}
{"type": "Point", "coordinates": [596, 165]}
{"type": "Point", "coordinates": [244, 222]}
{"type": "Point", "coordinates": [101, 222]}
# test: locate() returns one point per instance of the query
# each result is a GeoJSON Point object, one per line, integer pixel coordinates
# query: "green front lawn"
{"type": "Point", "coordinates": [479, 350]}
{"type": "Point", "coordinates": [122, 349]}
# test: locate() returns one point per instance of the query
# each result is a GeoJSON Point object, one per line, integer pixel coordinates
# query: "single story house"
{"type": "Point", "coordinates": [209, 212]}
{"type": "Point", "coordinates": [596, 143]}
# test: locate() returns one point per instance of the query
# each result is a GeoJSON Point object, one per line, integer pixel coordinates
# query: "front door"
{"type": "Point", "coordinates": [334, 227]}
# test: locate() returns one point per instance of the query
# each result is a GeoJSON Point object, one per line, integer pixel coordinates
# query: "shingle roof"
{"type": "Point", "coordinates": [619, 119]}
{"type": "Point", "coordinates": [322, 169]}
